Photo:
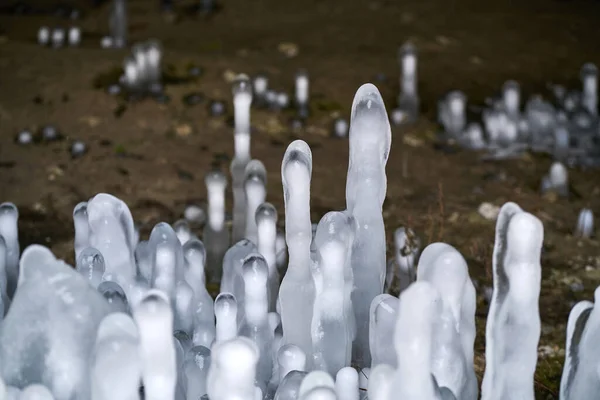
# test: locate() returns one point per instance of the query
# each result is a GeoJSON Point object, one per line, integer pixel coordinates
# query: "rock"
{"type": "Point", "coordinates": [488, 211]}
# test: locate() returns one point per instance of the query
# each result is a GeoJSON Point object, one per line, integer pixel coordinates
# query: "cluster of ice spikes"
{"type": "Point", "coordinates": [568, 127]}
{"type": "Point", "coordinates": [135, 319]}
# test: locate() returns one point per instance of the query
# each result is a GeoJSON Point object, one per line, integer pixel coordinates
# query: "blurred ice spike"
{"type": "Point", "coordinates": [585, 224]}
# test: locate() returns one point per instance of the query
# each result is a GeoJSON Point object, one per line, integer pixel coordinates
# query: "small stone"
{"type": "Point", "coordinates": [216, 108]}
{"type": "Point", "coordinates": [194, 214]}
{"type": "Point", "coordinates": [156, 88]}
{"type": "Point", "coordinates": [193, 99]}
{"type": "Point", "coordinates": [114, 89]}
{"type": "Point", "coordinates": [576, 287]}
{"type": "Point", "coordinates": [288, 49]}
{"type": "Point", "coordinates": [78, 149]}
{"type": "Point", "coordinates": [50, 133]}
{"type": "Point", "coordinates": [24, 138]}
{"type": "Point", "coordinates": [194, 71]}
{"type": "Point", "coordinates": [183, 130]}
{"type": "Point", "coordinates": [488, 211]}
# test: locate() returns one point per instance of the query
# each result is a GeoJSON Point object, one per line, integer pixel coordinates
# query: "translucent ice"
{"type": "Point", "coordinates": [511, 98]}
{"type": "Point", "coordinates": [290, 386]}
{"type": "Point", "coordinates": [380, 382]}
{"type": "Point", "coordinates": [153, 57]}
{"type": "Point", "coordinates": [297, 290]}
{"type": "Point", "coordinates": [585, 224]}
{"type": "Point", "coordinates": [510, 364]}
{"type": "Point", "coordinates": [115, 295]}
{"type": "Point", "coordinates": [117, 368]}
{"type": "Point", "coordinates": [226, 317]}
{"type": "Point", "coordinates": [571, 378]}
{"type": "Point", "coordinates": [82, 228]}
{"type": "Point", "coordinates": [266, 225]}
{"type": "Point", "coordinates": [196, 366]}
{"type": "Point", "coordinates": [454, 337]}
{"type": "Point", "coordinates": [36, 392]}
{"type": "Point", "coordinates": [454, 116]}
{"type": "Point", "coordinates": [331, 322]}
{"type": "Point", "coordinates": [418, 308]}
{"type": "Point", "coordinates": [9, 217]}
{"type": "Point", "coordinates": [382, 324]}
{"type": "Point", "coordinates": [232, 370]}
{"type": "Point", "coordinates": [589, 80]}
{"type": "Point", "coordinates": [35, 348]}
{"type": "Point", "coordinates": [302, 89]}
{"type": "Point", "coordinates": [183, 231]}
{"type": "Point", "coordinates": [346, 384]}
{"type": "Point", "coordinates": [314, 380]}
{"type": "Point", "coordinates": [255, 189]}
{"type": "Point", "coordinates": [112, 233]}
{"type": "Point", "coordinates": [216, 234]}
{"type": "Point", "coordinates": [255, 274]}
{"type": "Point", "coordinates": [118, 23]}
{"type": "Point", "coordinates": [194, 255]}
{"type": "Point", "coordinates": [242, 99]}
{"type": "Point", "coordinates": [154, 319]}
{"type": "Point", "coordinates": [408, 101]}
{"type": "Point", "coordinates": [90, 264]}
{"type": "Point", "coordinates": [557, 180]}
{"type": "Point", "coordinates": [366, 185]}
{"type": "Point", "coordinates": [232, 264]}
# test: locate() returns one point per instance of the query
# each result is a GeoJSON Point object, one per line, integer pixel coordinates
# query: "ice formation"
{"type": "Point", "coordinates": [566, 126]}
{"type": "Point", "coordinates": [408, 100]}
{"type": "Point", "coordinates": [135, 319]}
{"type": "Point", "coordinates": [118, 24]}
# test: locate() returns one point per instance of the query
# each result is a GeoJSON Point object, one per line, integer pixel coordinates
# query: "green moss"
{"type": "Point", "coordinates": [547, 377]}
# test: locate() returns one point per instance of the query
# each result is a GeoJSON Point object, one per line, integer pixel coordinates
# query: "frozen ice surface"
{"type": "Point", "coordinates": [196, 366]}
{"type": "Point", "coordinates": [114, 295]}
{"type": "Point", "coordinates": [366, 185]}
{"type": "Point", "coordinates": [226, 310]}
{"type": "Point", "coordinates": [346, 384]}
{"type": "Point", "coordinates": [408, 100]}
{"type": "Point", "coordinates": [90, 264]}
{"type": "Point", "coordinates": [33, 346]}
{"type": "Point", "coordinates": [289, 387]}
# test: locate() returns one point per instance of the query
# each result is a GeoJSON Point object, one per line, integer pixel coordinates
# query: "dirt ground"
{"type": "Point", "coordinates": [154, 156]}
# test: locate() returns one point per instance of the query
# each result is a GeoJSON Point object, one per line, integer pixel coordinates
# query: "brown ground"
{"type": "Point", "coordinates": [154, 156]}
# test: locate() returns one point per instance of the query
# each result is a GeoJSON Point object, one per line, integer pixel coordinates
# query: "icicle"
{"type": "Point", "coordinates": [297, 290]}
{"type": "Point", "coordinates": [331, 329]}
{"type": "Point", "coordinates": [382, 324]}
{"type": "Point", "coordinates": [155, 321]}
{"type": "Point", "coordinates": [9, 220]}
{"type": "Point", "coordinates": [82, 229]}
{"type": "Point", "coordinates": [380, 382]}
{"type": "Point", "coordinates": [510, 365]}
{"type": "Point", "coordinates": [233, 370]}
{"type": "Point", "coordinates": [183, 231]}
{"type": "Point", "coordinates": [585, 224]}
{"type": "Point", "coordinates": [454, 336]}
{"type": "Point", "coordinates": [255, 274]}
{"type": "Point", "coordinates": [266, 225]}
{"type": "Point", "coordinates": [408, 101]}
{"type": "Point", "coordinates": [255, 189]}
{"type": "Point", "coordinates": [226, 317]}
{"type": "Point", "coordinates": [290, 386]}
{"type": "Point", "coordinates": [216, 234]}
{"type": "Point", "coordinates": [196, 366]}
{"type": "Point", "coordinates": [589, 79]}
{"type": "Point", "coordinates": [366, 185]}
{"type": "Point", "coordinates": [418, 308]}
{"type": "Point", "coordinates": [242, 99]}
{"type": "Point", "coordinates": [346, 384]}
{"type": "Point", "coordinates": [302, 89]}
{"type": "Point", "coordinates": [511, 98]}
